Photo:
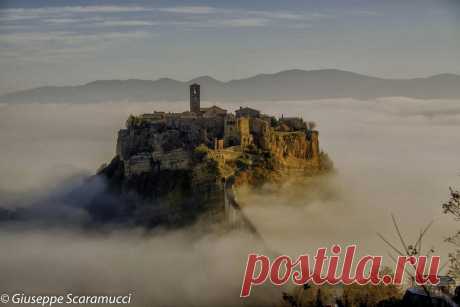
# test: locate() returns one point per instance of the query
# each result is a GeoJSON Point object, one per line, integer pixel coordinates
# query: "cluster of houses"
{"type": "Point", "coordinates": [163, 139]}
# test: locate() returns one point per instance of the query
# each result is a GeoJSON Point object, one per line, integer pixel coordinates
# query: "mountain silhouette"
{"type": "Point", "coordinates": [284, 85]}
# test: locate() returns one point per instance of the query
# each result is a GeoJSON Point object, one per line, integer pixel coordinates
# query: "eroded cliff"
{"type": "Point", "coordinates": [171, 167]}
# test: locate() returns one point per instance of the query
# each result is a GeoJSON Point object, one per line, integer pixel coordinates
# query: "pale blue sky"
{"type": "Point", "coordinates": [72, 42]}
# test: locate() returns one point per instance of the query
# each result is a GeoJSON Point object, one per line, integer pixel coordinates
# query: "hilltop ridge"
{"type": "Point", "coordinates": [285, 85]}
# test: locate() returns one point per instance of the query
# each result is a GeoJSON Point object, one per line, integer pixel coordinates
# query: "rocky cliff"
{"type": "Point", "coordinates": [172, 168]}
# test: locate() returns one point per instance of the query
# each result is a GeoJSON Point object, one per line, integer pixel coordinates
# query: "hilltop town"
{"type": "Point", "coordinates": [180, 162]}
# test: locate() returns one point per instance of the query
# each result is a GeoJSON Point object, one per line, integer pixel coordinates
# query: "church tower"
{"type": "Point", "coordinates": [195, 98]}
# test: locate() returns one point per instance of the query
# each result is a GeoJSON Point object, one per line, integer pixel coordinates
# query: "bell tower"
{"type": "Point", "coordinates": [195, 98]}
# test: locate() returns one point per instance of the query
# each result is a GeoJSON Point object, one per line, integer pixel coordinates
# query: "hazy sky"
{"type": "Point", "coordinates": [71, 42]}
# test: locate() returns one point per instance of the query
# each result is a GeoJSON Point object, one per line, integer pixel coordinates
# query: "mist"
{"type": "Point", "coordinates": [392, 155]}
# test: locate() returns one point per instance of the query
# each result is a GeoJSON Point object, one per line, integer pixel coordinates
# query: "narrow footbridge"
{"type": "Point", "coordinates": [233, 211]}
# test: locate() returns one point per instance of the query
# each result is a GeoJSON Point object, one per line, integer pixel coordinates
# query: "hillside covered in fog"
{"type": "Point", "coordinates": [285, 85]}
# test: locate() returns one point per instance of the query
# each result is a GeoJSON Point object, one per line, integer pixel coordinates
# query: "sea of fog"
{"type": "Point", "coordinates": [392, 156]}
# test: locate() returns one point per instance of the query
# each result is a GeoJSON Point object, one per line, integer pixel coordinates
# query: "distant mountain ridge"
{"type": "Point", "coordinates": [284, 85]}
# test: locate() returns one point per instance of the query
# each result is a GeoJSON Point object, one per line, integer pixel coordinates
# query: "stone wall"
{"type": "Point", "coordinates": [231, 134]}
{"type": "Point", "coordinates": [245, 135]}
{"type": "Point", "coordinates": [261, 131]}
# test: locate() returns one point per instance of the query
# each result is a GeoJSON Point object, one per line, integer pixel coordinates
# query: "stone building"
{"type": "Point", "coordinates": [237, 131]}
{"type": "Point", "coordinates": [213, 112]}
{"type": "Point", "coordinates": [245, 136]}
{"type": "Point", "coordinates": [231, 133]}
{"type": "Point", "coordinates": [247, 112]}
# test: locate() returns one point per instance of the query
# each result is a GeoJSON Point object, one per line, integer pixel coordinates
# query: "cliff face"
{"type": "Point", "coordinates": [162, 197]}
{"type": "Point", "coordinates": [174, 166]}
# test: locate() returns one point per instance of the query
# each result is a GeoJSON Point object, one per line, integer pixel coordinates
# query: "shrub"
{"type": "Point", "coordinates": [200, 152]}
{"type": "Point", "coordinates": [243, 163]}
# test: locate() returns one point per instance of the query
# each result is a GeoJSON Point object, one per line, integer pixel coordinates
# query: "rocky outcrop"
{"type": "Point", "coordinates": [176, 165]}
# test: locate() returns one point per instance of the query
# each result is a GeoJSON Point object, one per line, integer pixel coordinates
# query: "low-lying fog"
{"type": "Point", "coordinates": [392, 155]}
